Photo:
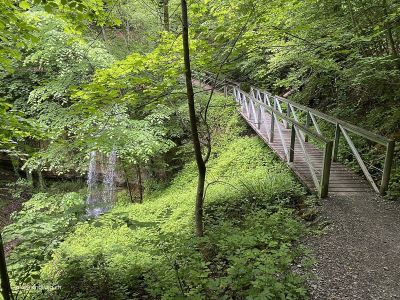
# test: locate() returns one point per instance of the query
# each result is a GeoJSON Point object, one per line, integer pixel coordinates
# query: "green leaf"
{"type": "Point", "coordinates": [24, 5]}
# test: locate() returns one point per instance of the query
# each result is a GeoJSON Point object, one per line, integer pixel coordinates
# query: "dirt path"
{"type": "Point", "coordinates": [358, 256]}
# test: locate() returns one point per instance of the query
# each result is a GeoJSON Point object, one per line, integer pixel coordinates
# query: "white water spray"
{"type": "Point", "coordinates": [109, 180]}
{"type": "Point", "coordinates": [100, 200]}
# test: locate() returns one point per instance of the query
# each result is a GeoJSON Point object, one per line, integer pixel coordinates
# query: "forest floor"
{"type": "Point", "coordinates": [358, 254]}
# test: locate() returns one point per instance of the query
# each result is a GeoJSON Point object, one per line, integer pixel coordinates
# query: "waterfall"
{"type": "Point", "coordinates": [92, 200]}
{"type": "Point", "coordinates": [98, 201]}
{"type": "Point", "coordinates": [109, 180]}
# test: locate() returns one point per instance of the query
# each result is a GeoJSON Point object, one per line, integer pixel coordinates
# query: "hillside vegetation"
{"type": "Point", "coordinates": [148, 250]}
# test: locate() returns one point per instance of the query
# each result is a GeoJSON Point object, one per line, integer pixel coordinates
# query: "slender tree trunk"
{"type": "Point", "coordinates": [201, 166]}
{"type": "Point", "coordinates": [389, 32]}
{"type": "Point", "coordinates": [128, 32]}
{"type": "Point", "coordinates": [5, 280]}
{"type": "Point", "coordinates": [103, 33]}
{"type": "Point", "coordinates": [127, 183]}
{"type": "Point", "coordinates": [140, 182]}
{"type": "Point", "coordinates": [40, 179]}
{"type": "Point", "coordinates": [166, 14]}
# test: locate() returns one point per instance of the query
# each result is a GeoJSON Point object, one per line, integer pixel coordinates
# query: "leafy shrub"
{"type": "Point", "coordinates": [37, 230]}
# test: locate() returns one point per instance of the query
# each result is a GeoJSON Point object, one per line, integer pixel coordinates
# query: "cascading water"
{"type": "Point", "coordinates": [100, 201]}
{"type": "Point", "coordinates": [109, 181]}
{"type": "Point", "coordinates": [93, 197]}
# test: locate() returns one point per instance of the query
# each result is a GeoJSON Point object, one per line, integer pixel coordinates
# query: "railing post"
{"type": "Point", "coordinates": [288, 113]}
{"type": "Point", "coordinates": [326, 170]}
{"type": "Point", "coordinates": [250, 108]}
{"type": "Point", "coordinates": [387, 168]}
{"type": "Point", "coordinates": [307, 125]}
{"type": "Point", "coordinates": [292, 144]}
{"type": "Point", "coordinates": [336, 145]}
{"type": "Point", "coordinates": [272, 130]}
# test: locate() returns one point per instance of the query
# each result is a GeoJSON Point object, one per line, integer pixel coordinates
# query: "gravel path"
{"type": "Point", "coordinates": [358, 255]}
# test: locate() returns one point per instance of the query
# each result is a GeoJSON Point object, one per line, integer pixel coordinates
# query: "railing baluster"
{"type": "Point", "coordinates": [273, 117]}
{"type": "Point", "coordinates": [259, 116]}
{"type": "Point", "coordinates": [315, 123]}
{"type": "Point", "coordinates": [301, 135]}
{"type": "Point", "coordinates": [308, 160]}
{"type": "Point", "coordinates": [253, 107]}
{"type": "Point", "coordinates": [307, 126]}
{"type": "Point", "coordinates": [267, 101]}
{"type": "Point", "coordinates": [288, 110]}
{"type": "Point", "coordinates": [278, 126]}
{"type": "Point", "coordinates": [359, 159]}
{"type": "Point", "coordinates": [278, 105]}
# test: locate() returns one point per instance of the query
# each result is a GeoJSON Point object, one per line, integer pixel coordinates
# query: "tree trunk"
{"type": "Point", "coordinates": [127, 183]}
{"type": "Point", "coordinates": [201, 166]}
{"type": "Point", "coordinates": [103, 33]}
{"type": "Point", "coordinates": [5, 280]}
{"type": "Point", "coordinates": [140, 182]}
{"type": "Point", "coordinates": [389, 34]}
{"type": "Point", "coordinates": [166, 14]}
{"type": "Point", "coordinates": [40, 180]}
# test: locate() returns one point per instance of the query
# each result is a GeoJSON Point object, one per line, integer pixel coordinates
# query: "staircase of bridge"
{"type": "Point", "coordinates": [309, 141]}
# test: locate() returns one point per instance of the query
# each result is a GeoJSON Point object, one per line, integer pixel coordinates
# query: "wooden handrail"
{"type": "Point", "coordinates": [290, 120]}
{"type": "Point", "coordinates": [341, 128]}
{"type": "Point", "coordinates": [350, 127]}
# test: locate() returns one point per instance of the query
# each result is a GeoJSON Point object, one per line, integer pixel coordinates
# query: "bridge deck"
{"type": "Point", "coordinates": [342, 180]}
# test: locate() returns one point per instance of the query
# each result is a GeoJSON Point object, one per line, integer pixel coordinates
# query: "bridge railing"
{"type": "Point", "coordinates": [289, 112]}
{"type": "Point", "coordinates": [341, 128]}
{"type": "Point", "coordinates": [254, 109]}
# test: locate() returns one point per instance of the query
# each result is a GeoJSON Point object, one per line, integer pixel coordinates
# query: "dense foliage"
{"type": "Point", "coordinates": [101, 76]}
{"type": "Point", "coordinates": [148, 250]}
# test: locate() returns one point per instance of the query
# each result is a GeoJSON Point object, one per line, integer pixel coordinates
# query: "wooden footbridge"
{"type": "Point", "coordinates": [300, 136]}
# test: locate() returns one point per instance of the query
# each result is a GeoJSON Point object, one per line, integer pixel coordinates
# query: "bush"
{"type": "Point", "coordinates": [37, 230]}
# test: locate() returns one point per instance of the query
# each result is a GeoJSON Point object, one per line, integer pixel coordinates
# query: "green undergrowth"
{"type": "Point", "coordinates": [149, 250]}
